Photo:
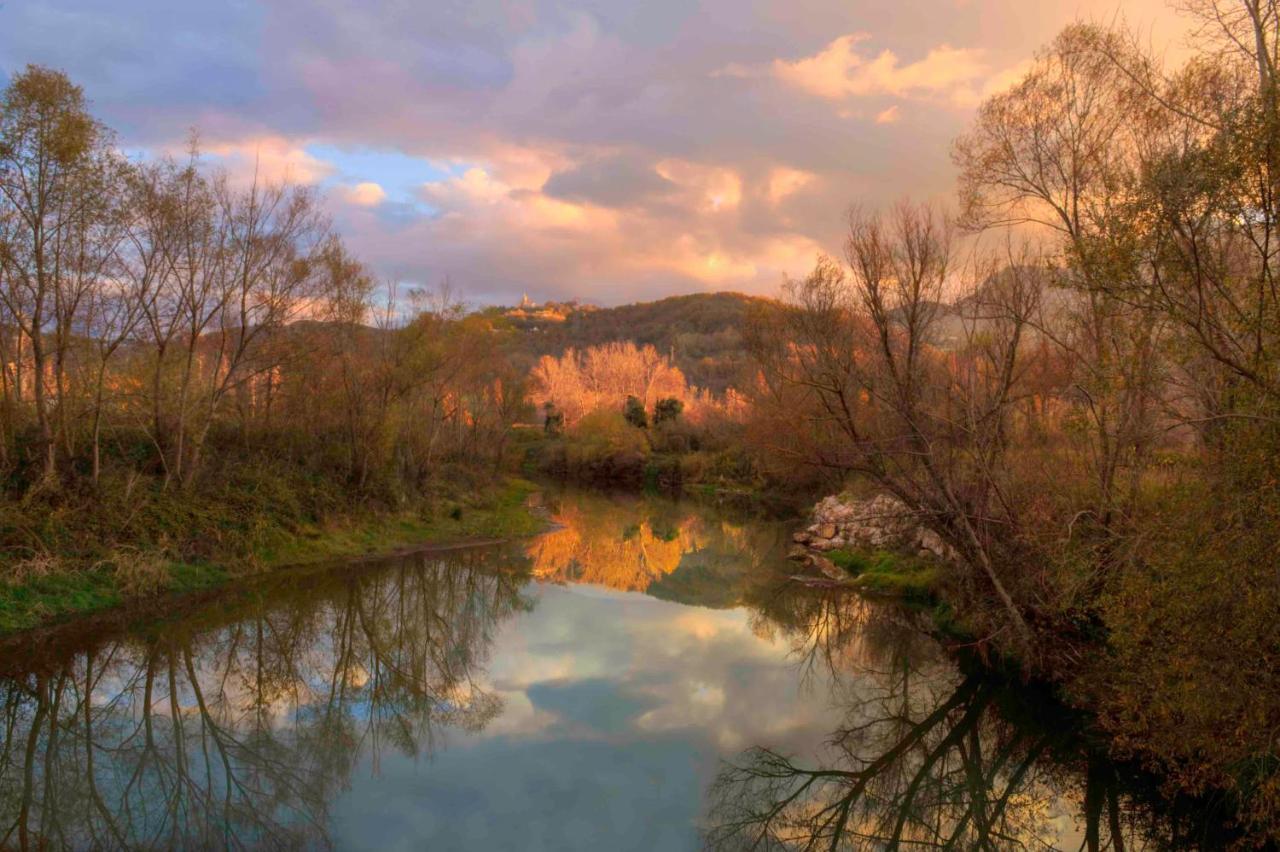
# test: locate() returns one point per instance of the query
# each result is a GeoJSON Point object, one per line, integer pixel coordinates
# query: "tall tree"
{"type": "Point", "coordinates": [49, 146]}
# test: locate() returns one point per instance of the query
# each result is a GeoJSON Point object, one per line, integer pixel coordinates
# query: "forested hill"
{"type": "Point", "coordinates": [703, 332]}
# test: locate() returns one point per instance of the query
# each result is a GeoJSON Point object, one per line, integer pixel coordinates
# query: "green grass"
{"type": "Point", "coordinates": [890, 574]}
{"type": "Point", "coordinates": [187, 577]}
{"type": "Point", "coordinates": [43, 598]}
{"type": "Point", "coordinates": [494, 515]}
{"type": "Point", "coordinates": [279, 540]}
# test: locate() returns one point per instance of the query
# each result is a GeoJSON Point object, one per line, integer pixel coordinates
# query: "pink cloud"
{"type": "Point", "coordinates": [841, 71]}
{"type": "Point", "coordinates": [889, 116]}
{"type": "Point", "coordinates": [365, 194]}
{"type": "Point", "coordinates": [613, 151]}
{"type": "Point", "coordinates": [271, 158]}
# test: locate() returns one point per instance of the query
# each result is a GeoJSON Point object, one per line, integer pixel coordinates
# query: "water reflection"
{"type": "Point", "coordinates": [670, 550]}
{"type": "Point", "coordinates": [643, 677]}
{"type": "Point", "coordinates": [928, 756]}
{"type": "Point", "coordinates": [240, 734]}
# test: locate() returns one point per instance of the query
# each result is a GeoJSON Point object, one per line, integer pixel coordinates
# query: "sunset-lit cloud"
{"type": "Point", "coordinates": [889, 116]}
{"type": "Point", "coordinates": [784, 181]}
{"type": "Point", "coordinates": [605, 150]}
{"type": "Point", "coordinates": [270, 158]}
{"type": "Point", "coordinates": [708, 188]}
{"type": "Point", "coordinates": [365, 194]}
{"type": "Point", "coordinates": [844, 69]}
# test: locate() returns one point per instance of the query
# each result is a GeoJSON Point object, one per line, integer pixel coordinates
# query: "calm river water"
{"type": "Point", "coordinates": [644, 677]}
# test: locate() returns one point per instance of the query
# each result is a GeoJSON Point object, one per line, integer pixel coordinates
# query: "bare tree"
{"type": "Point", "coordinates": [1057, 154]}
{"type": "Point", "coordinates": [856, 353]}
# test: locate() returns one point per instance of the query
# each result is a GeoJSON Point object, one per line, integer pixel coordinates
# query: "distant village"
{"type": "Point", "coordinates": [528, 314]}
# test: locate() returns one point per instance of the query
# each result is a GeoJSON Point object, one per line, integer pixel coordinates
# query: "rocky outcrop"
{"type": "Point", "coordinates": [882, 522]}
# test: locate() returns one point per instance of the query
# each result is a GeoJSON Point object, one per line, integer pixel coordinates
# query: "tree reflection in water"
{"type": "Point", "coordinates": [614, 543]}
{"type": "Point", "coordinates": [670, 550]}
{"type": "Point", "coordinates": [930, 757]}
{"type": "Point", "coordinates": [240, 725]}
{"type": "Point", "coordinates": [241, 732]}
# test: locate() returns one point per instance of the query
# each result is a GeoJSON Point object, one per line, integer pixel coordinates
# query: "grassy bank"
{"type": "Point", "coordinates": [890, 574]}
{"type": "Point", "coordinates": [912, 581]}
{"type": "Point", "coordinates": [90, 558]}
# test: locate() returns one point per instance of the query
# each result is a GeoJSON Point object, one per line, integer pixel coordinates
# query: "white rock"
{"type": "Point", "coordinates": [881, 522]}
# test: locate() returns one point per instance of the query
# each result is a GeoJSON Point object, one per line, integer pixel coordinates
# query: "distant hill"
{"type": "Point", "coordinates": [955, 322]}
{"type": "Point", "coordinates": [702, 332]}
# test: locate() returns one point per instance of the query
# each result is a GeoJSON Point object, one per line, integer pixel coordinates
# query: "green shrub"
{"type": "Point", "coordinates": [635, 414]}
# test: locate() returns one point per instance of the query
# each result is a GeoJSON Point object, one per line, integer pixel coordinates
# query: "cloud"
{"type": "Point", "coordinates": [707, 188]}
{"type": "Point", "coordinates": [674, 231]}
{"type": "Point", "coordinates": [365, 194]}
{"type": "Point", "coordinates": [612, 182]}
{"type": "Point", "coordinates": [271, 158]}
{"type": "Point", "coordinates": [841, 71]}
{"type": "Point", "coordinates": [785, 181]}
{"type": "Point", "coordinates": [608, 150]}
{"type": "Point", "coordinates": [889, 116]}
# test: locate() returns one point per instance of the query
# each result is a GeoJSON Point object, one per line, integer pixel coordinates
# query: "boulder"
{"type": "Point", "coordinates": [882, 522]}
{"type": "Point", "coordinates": [828, 568]}
{"type": "Point", "coordinates": [929, 541]}
{"type": "Point", "coordinates": [832, 510]}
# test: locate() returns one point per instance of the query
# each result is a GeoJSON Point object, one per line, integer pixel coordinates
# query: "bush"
{"type": "Point", "coordinates": [667, 410]}
{"type": "Point", "coordinates": [635, 413]}
{"type": "Point", "coordinates": [603, 446]}
{"type": "Point", "coordinates": [140, 572]}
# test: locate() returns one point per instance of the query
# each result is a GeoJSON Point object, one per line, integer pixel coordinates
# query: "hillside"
{"type": "Point", "coordinates": [702, 332]}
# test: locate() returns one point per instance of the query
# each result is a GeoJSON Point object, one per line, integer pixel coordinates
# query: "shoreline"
{"type": "Point", "coordinates": [54, 637]}
{"type": "Point", "coordinates": [76, 603]}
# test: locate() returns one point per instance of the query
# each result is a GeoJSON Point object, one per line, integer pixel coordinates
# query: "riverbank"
{"type": "Point", "coordinates": [1149, 708]}
{"type": "Point", "coordinates": [877, 548]}
{"type": "Point", "coordinates": [324, 669]}
{"type": "Point", "coordinates": [226, 541]}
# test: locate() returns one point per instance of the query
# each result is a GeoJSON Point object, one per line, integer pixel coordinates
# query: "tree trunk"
{"type": "Point", "coordinates": [48, 464]}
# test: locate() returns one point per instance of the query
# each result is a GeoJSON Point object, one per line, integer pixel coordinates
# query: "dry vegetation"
{"type": "Point", "coordinates": [192, 368]}
{"type": "Point", "coordinates": [1092, 418]}
{"type": "Point", "coordinates": [1089, 416]}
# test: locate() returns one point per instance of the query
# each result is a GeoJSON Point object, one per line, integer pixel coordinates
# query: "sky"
{"type": "Point", "coordinates": [606, 150]}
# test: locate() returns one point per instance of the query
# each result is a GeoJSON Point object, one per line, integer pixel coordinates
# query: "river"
{"type": "Point", "coordinates": [645, 676]}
